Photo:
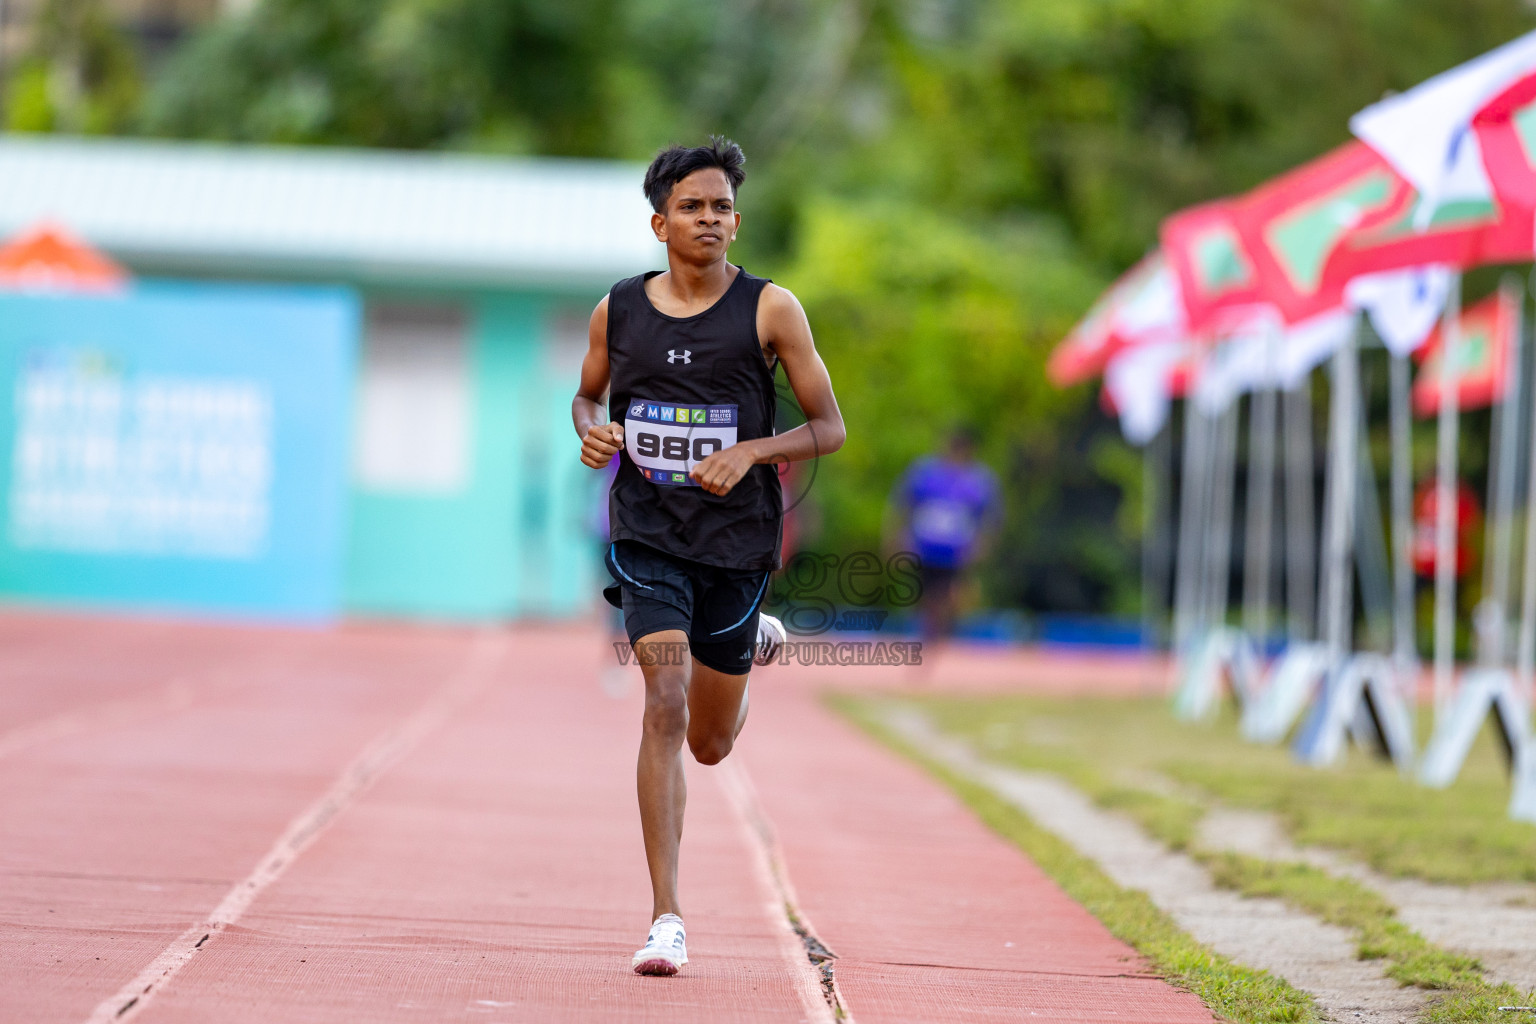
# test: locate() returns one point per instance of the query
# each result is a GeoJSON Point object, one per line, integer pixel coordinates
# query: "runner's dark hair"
{"type": "Point", "coordinates": [675, 163]}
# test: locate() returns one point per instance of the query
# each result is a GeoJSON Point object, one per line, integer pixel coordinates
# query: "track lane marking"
{"type": "Point", "coordinates": [365, 769]}
{"type": "Point", "coordinates": [822, 1002]}
{"type": "Point", "coordinates": [161, 700]}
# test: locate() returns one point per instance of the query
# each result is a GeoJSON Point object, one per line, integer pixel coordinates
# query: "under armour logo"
{"type": "Point", "coordinates": [673, 357]}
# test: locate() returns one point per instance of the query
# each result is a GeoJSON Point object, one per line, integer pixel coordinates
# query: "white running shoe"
{"type": "Point", "coordinates": [770, 637]}
{"type": "Point", "coordinates": [665, 950]}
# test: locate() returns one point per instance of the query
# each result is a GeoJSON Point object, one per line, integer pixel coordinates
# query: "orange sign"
{"type": "Point", "coordinates": [49, 258]}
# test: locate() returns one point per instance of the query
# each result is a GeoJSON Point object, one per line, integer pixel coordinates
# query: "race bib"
{"type": "Point", "coordinates": [945, 522]}
{"type": "Point", "coordinates": [665, 441]}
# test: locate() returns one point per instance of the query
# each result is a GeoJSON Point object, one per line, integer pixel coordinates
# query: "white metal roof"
{"type": "Point", "coordinates": [358, 214]}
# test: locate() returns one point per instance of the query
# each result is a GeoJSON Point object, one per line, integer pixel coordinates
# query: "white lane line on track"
{"type": "Point", "coordinates": [354, 780]}
{"type": "Point", "coordinates": [779, 893]}
{"type": "Point", "coordinates": [163, 700]}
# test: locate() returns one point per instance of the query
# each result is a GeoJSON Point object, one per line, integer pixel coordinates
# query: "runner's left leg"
{"type": "Point", "coordinates": [717, 709]}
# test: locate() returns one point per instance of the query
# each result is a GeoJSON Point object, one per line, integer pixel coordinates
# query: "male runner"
{"type": "Point", "coordinates": [686, 357]}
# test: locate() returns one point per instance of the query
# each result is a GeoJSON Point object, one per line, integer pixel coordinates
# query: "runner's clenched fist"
{"type": "Point", "coordinates": [602, 442]}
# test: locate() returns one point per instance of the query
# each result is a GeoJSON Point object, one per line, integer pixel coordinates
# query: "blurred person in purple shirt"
{"type": "Point", "coordinates": [946, 509]}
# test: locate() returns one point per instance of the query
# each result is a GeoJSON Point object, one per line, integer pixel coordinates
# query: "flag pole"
{"type": "Point", "coordinates": [1404, 645]}
{"type": "Point", "coordinates": [1485, 615]}
{"type": "Point", "coordinates": [1336, 600]}
{"type": "Point", "coordinates": [1154, 582]}
{"type": "Point", "coordinates": [1260, 511]}
{"type": "Point", "coordinates": [1192, 504]}
{"type": "Point", "coordinates": [1445, 500]}
{"type": "Point", "coordinates": [1501, 489]}
{"type": "Point", "coordinates": [1371, 560]}
{"type": "Point", "coordinates": [1219, 551]}
{"type": "Point", "coordinates": [1301, 555]}
{"type": "Point", "coordinates": [1526, 657]}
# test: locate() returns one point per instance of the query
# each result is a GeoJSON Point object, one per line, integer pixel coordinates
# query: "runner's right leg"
{"type": "Point", "coordinates": [659, 775]}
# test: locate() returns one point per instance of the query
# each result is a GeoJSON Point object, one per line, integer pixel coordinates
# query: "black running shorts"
{"type": "Point", "coordinates": [716, 607]}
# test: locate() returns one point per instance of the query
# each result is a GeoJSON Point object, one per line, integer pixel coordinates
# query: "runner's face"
{"type": "Point", "coordinates": [701, 218]}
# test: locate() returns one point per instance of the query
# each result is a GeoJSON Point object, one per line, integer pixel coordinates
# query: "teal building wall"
{"type": "Point", "coordinates": [142, 467]}
{"type": "Point", "coordinates": [517, 540]}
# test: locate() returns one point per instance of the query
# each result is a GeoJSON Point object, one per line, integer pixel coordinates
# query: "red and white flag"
{"type": "Point", "coordinates": [1427, 132]}
{"type": "Point", "coordinates": [1505, 129]}
{"type": "Point", "coordinates": [1142, 306]}
{"type": "Point", "coordinates": [1483, 357]}
{"type": "Point", "coordinates": [1218, 282]}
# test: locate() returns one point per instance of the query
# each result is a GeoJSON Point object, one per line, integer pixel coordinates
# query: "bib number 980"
{"type": "Point", "coordinates": [665, 441]}
{"type": "Point", "coordinates": [674, 448]}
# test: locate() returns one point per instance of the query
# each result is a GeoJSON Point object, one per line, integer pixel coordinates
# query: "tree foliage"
{"type": "Point", "coordinates": [1049, 140]}
{"type": "Point", "coordinates": [79, 74]}
{"type": "Point", "coordinates": [946, 183]}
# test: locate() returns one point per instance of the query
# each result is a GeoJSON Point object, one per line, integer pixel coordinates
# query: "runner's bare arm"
{"type": "Point", "coordinates": [599, 440]}
{"type": "Point", "coordinates": [784, 330]}
{"type": "Point", "coordinates": [782, 325]}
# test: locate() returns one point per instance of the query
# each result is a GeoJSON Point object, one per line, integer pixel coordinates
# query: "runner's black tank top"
{"type": "Point", "coordinates": [684, 387]}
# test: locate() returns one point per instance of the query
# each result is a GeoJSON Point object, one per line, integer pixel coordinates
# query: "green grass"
{"type": "Point", "coordinates": [1133, 756]}
{"type": "Point", "coordinates": [1237, 993]}
{"type": "Point", "coordinates": [1169, 819]}
{"type": "Point", "coordinates": [1109, 748]}
{"type": "Point", "coordinates": [1464, 996]}
{"type": "Point", "coordinates": [1412, 960]}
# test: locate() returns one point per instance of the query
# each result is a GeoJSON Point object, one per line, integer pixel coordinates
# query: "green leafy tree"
{"type": "Point", "coordinates": [1089, 122]}
{"type": "Point", "coordinates": [79, 75]}
{"type": "Point", "coordinates": [946, 183]}
{"type": "Point", "coordinates": [561, 77]}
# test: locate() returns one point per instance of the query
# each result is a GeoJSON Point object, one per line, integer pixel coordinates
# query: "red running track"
{"type": "Point", "coordinates": [393, 824]}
